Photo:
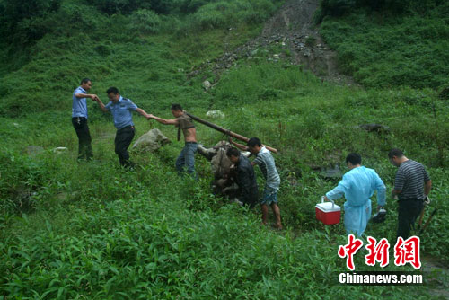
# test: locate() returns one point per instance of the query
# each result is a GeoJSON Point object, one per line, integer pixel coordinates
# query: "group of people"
{"type": "Point", "coordinates": [411, 187]}
{"type": "Point", "coordinates": [121, 109]}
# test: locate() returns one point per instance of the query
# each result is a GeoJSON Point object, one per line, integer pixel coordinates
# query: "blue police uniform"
{"type": "Point", "coordinates": [79, 121]}
{"type": "Point", "coordinates": [122, 114]}
{"type": "Point", "coordinates": [79, 107]}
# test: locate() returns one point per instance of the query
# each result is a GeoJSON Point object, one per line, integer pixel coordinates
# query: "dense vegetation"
{"type": "Point", "coordinates": [93, 231]}
{"type": "Point", "coordinates": [390, 43]}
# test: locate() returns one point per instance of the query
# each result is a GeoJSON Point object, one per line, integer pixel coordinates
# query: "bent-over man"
{"type": "Point", "coordinates": [244, 177]}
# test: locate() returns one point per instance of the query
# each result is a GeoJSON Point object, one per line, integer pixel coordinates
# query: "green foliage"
{"type": "Point", "coordinates": [145, 248]}
{"type": "Point", "coordinates": [342, 7]}
{"type": "Point", "coordinates": [225, 14]}
{"type": "Point", "coordinates": [93, 230]}
{"type": "Point", "coordinates": [128, 6]}
{"type": "Point", "coordinates": [20, 181]}
{"type": "Point", "coordinates": [22, 21]}
{"type": "Point", "coordinates": [144, 21]}
{"type": "Point", "coordinates": [391, 51]}
{"type": "Point", "coordinates": [336, 7]}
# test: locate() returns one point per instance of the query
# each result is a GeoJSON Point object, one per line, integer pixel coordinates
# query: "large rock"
{"type": "Point", "coordinates": [207, 85]}
{"type": "Point", "coordinates": [215, 114]}
{"type": "Point", "coordinates": [151, 141]}
{"type": "Point", "coordinates": [60, 150]}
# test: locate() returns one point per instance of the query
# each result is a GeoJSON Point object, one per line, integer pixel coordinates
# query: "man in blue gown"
{"type": "Point", "coordinates": [358, 186]}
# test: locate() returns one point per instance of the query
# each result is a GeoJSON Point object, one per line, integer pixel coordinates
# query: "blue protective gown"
{"type": "Point", "coordinates": [358, 186]}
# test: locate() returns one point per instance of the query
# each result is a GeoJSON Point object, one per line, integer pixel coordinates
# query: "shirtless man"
{"type": "Point", "coordinates": [187, 156]}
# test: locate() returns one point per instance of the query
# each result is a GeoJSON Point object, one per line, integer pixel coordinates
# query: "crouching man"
{"type": "Point", "coordinates": [244, 177]}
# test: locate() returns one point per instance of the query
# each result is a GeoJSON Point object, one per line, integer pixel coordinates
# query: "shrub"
{"type": "Point", "coordinates": [144, 21]}
{"type": "Point", "coordinates": [21, 178]}
{"type": "Point", "coordinates": [22, 21]}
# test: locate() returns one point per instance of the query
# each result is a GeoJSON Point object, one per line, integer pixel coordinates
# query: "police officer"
{"type": "Point", "coordinates": [121, 109]}
{"type": "Point", "coordinates": [79, 118]}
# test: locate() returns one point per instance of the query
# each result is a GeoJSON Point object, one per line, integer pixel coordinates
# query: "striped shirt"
{"type": "Point", "coordinates": [266, 163]}
{"type": "Point", "coordinates": [410, 180]}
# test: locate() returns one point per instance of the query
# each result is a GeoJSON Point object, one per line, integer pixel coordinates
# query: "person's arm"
{"type": "Point", "coordinates": [427, 187]}
{"type": "Point", "coordinates": [94, 97]}
{"type": "Point", "coordinates": [240, 146]}
{"type": "Point", "coordinates": [398, 184]}
{"type": "Point", "coordinates": [379, 186]}
{"type": "Point", "coordinates": [395, 193]}
{"type": "Point", "coordinates": [102, 106]}
{"type": "Point", "coordinates": [142, 113]}
{"type": "Point", "coordinates": [337, 192]}
{"type": "Point", "coordinates": [163, 121]}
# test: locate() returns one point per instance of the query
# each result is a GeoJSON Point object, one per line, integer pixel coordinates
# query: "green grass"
{"type": "Point", "coordinates": [384, 50]}
{"type": "Point", "coordinates": [93, 231]}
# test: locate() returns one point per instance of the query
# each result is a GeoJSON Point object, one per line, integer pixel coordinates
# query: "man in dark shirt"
{"type": "Point", "coordinates": [412, 186]}
{"type": "Point", "coordinates": [244, 177]}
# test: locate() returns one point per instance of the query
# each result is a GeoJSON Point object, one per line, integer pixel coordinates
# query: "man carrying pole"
{"type": "Point", "coordinates": [185, 124]}
{"type": "Point", "coordinates": [268, 167]}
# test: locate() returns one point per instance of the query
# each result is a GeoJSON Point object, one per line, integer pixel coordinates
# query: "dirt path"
{"type": "Point", "coordinates": [292, 28]}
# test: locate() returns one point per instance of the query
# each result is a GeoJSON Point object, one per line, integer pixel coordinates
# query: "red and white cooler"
{"type": "Point", "coordinates": [327, 212]}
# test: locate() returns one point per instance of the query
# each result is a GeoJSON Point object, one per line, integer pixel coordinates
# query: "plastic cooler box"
{"type": "Point", "coordinates": [327, 212]}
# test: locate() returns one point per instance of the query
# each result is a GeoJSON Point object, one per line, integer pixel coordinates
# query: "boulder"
{"type": "Point", "coordinates": [215, 114]}
{"type": "Point", "coordinates": [151, 141]}
{"type": "Point", "coordinates": [207, 85]}
{"type": "Point", "coordinates": [59, 150]}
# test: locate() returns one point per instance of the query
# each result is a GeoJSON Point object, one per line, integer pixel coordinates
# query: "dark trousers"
{"type": "Point", "coordinates": [84, 138]}
{"type": "Point", "coordinates": [122, 140]}
{"type": "Point", "coordinates": [408, 212]}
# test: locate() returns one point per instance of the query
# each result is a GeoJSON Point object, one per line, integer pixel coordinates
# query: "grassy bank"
{"type": "Point", "coordinates": [93, 231]}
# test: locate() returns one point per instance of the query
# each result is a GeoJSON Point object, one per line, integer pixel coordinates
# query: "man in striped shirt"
{"type": "Point", "coordinates": [411, 185]}
{"type": "Point", "coordinates": [268, 168]}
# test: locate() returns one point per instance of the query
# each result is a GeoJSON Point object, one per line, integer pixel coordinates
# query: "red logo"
{"type": "Point", "coordinates": [407, 252]}
{"type": "Point", "coordinates": [349, 250]}
{"type": "Point", "coordinates": [377, 252]}
{"type": "Point", "coordinates": [404, 251]}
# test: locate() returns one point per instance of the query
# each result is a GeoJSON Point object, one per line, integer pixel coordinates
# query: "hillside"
{"type": "Point", "coordinates": [94, 231]}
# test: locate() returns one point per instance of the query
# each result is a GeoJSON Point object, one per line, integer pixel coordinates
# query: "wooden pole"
{"type": "Point", "coordinates": [226, 131]}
